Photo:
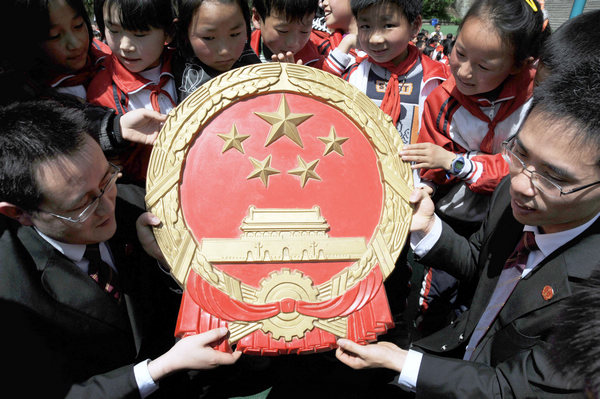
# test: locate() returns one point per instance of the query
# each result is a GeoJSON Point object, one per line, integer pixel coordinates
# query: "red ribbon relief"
{"type": "Point", "coordinates": [205, 307]}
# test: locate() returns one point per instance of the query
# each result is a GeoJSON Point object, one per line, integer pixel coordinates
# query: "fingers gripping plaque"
{"type": "Point", "coordinates": [284, 206]}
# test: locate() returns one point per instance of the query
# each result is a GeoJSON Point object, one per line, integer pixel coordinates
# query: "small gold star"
{"type": "Point", "coordinates": [283, 123]}
{"type": "Point", "coordinates": [262, 169]}
{"type": "Point", "coordinates": [233, 140]}
{"type": "Point", "coordinates": [333, 142]}
{"type": "Point", "coordinates": [305, 171]}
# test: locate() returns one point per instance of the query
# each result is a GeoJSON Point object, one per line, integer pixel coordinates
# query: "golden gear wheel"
{"type": "Point", "coordinates": [282, 284]}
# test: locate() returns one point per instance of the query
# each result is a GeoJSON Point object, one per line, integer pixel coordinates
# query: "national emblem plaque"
{"type": "Point", "coordinates": [284, 206]}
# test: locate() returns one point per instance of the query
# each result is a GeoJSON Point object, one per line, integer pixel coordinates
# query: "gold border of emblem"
{"type": "Point", "coordinates": [166, 167]}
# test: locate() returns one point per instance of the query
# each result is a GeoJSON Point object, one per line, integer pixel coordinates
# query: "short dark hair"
{"type": "Point", "coordinates": [517, 24]}
{"type": "Point", "coordinates": [573, 98]}
{"type": "Point", "coordinates": [574, 42]}
{"type": "Point", "coordinates": [185, 15]}
{"type": "Point", "coordinates": [31, 133]}
{"type": "Point", "coordinates": [410, 8]}
{"type": "Point", "coordinates": [138, 15]}
{"type": "Point", "coordinates": [575, 342]}
{"type": "Point", "coordinates": [293, 10]}
{"type": "Point", "coordinates": [448, 45]}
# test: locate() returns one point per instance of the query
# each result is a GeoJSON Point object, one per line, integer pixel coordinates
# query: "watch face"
{"type": "Point", "coordinates": [457, 165]}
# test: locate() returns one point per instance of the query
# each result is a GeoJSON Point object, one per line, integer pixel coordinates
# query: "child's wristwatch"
{"type": "Point", "coordinates": [457, 165]}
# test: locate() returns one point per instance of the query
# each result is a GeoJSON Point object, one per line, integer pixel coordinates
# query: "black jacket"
{"type": "Point", "coordinates": [62, 335]}
{"type": "Point", "coordinates": [514, 358]}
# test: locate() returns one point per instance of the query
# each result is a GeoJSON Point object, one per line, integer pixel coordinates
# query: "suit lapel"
{"type": "Point", "coordinates": [501, 242]}
{"type": "Point", "coordinates": [528, 294]}
{"type": "Point", "coordinates": [571, 260]}
{"type": "Point", "coordinates": [68, 285]}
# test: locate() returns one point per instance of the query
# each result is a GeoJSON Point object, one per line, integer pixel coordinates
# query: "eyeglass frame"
{"type": "Point", "coordinates": [91, 207]}
{"type": "Point", "coordinates": [505, 149]}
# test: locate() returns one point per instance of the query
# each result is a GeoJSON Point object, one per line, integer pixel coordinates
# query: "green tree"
{"type": "Point", "coordinates": [436, 9]}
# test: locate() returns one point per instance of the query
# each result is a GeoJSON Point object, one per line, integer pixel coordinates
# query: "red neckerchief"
{"type": "Point", "coordinates": [516, 90]}
{"type": "Point", "coordinates": [128, 81]}
{"type": "Point", "coordinates": [96, 53]}
{"type": "Point", "coordinates": [335, 38]}
{"type": "Point", "coordinates": [391, 99]}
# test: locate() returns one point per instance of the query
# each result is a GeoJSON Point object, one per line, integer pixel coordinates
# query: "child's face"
{"type": "Point", "coordinates": [479, 61]}
{"type": "Point", "coordinates": [217, 34]}
{"type": "Point", "coordinates": [384, 32]}
{"type": "Point", "coordinates": [68, 39]}
{"type": "Point", "coordinates": [338, 14]}
{"type": "Point", "coordinates": [281, 35]}
{"type": "Point", "coordinates": [137, 51]}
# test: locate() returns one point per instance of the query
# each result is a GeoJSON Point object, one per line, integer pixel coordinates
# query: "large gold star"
{"type": "Point", "coordinates": [283, 123]}
{"type": "Point", "coordinates": [305, 171]}
{"type": "Point", "coordinates": [233, 140]}
{"type": "Point", "coordinates": [262, 169]}
{"type": "Point", "coordinates": [333, 142]}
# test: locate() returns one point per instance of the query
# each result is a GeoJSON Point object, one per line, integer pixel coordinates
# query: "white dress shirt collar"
{"type": "Point", "coordinates": [72, 251]}
{"type": "Point", "coordinates": [75, 252]}
{"type": "Point", "coordinates": [550, 242]}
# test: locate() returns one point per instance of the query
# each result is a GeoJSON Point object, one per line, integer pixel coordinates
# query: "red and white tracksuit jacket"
{"type": "Point", "coordinates": [76, 83]}
{"type": "Point", "coordinates": [308, 54]}
{"type": "Point", "coordinates": [116, 87]}
{"type": "Point", "coordinates": [326, 41]}
{"type": "Point", "coordinates": [451, 120]}
{"type": "Point", "coordinates": [433, 74]}
{"type": "Point", "coordinates": [336, 62]}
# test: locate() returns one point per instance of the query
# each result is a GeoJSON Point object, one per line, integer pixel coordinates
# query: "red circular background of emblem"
{"type": "Point", "coordinates": [215, 191]}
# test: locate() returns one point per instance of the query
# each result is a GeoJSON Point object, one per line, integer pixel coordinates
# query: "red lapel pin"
{"type": "Point", "coordinates": [547, 293]}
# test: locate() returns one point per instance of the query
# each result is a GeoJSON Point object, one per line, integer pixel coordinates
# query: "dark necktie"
{"type": "Point", "coordinates": [510, 276]}
{"type": "Point", "coordinates": [101, 272]}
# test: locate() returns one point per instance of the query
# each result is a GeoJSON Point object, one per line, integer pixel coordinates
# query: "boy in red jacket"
{"type": "Point", "coordinates": [282, 31]}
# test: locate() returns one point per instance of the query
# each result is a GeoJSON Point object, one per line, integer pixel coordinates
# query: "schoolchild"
{"type": "Point", "coordinates": [420, 45]}
{"type": "Point", "coordinates": [212, 38]}
{"type": "Point", "coordinates": [55, 47]}
{"type": "Point", "coordinates": [395, 74]}
{"type": "Point", "coordinates": [483, 103]}
{"type": "Point", "coordinates": [341, 45]}
{"type": "Point", "coordinates": [438, 47]}
{"type": "Point", "coordinates": [446, 51]}
{"type": "Point", "coordinates": [465, 121]}
{"type": "Point", "coordinates": [339, 23]}
{"type": "Point", "coordinates": [397, 77]}
{"type": "Point", "coordinates": [71, 52]}
{"type": "Point", "coordinates": [339, 31]}
{"type": "Point", "coordinates": [438, 31]}
{"type": "Point", "coordinates": [282, 30]}
{"type": "Point", "coordinates": [138, 72]}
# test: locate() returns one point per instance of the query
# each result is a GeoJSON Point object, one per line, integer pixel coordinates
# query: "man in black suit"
{"type": "Point", "coordinates": [501, 348]}
{"type": "Point", "coordinates": [63, 333]}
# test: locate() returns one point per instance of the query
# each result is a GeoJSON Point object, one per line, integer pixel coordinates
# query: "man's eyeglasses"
{"type": "Point", "coordinates": [540, 182]}
{"type": "Point", "coordinates": [91, 207]}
